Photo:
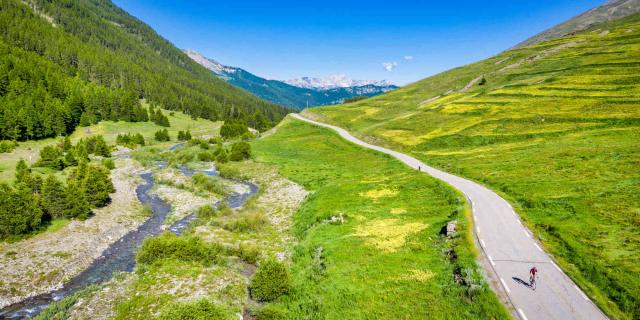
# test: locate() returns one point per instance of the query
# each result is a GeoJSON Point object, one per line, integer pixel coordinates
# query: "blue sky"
{"type": "Point", "coordinates": [291, 39]}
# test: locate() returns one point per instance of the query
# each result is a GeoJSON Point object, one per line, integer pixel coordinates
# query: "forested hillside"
{"type": "Point", "coordinates": [63, 62]}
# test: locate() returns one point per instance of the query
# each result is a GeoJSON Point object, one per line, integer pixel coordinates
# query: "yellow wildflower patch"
{"type": "Point", "coordinates": [377, 194]}
{"type": "Point", "coordinates": [388, 235]}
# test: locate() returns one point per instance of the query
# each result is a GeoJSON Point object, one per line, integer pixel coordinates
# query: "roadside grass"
{"type": "Point", "coordinates": [30, 150]}
{"type": "Point", "coordinates": [555, 130]}
{"type": "Point", "coordinates": [369, 244]}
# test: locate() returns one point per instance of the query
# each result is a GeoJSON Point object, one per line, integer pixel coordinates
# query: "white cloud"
{"type": "Point", "coordinates": [408, 58]}
{"type": "Point", "coordinates": [389, 66]}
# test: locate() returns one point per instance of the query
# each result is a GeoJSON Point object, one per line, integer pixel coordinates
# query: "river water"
{"type": "Point", "coordinates": [120, 256]}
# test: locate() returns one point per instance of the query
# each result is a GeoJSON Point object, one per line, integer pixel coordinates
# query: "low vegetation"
{"type": "Point", "coordinates": [368, 236]}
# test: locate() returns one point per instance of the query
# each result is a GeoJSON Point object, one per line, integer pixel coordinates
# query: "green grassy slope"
{"type": "Point", "coordinates": [386, 260]}
{"type": "Point", "coordinates": [555, 129]}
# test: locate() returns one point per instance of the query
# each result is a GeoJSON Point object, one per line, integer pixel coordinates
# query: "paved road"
{"type": "Point", "coordinates": [508, 246]}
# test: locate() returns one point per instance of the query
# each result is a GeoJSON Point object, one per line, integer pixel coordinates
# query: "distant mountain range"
{"type": "Point", "coordinates": [297, 93]}
{"type": "Point", "coordinates": [610, 11]}
{"type": "Point", "coordinates": [332, 82]}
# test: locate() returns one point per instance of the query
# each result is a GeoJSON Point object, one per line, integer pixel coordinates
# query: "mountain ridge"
{"type": "Point", "coordinates": [314, 93]}
{"type": "Point", "coordinates": [610, 11]}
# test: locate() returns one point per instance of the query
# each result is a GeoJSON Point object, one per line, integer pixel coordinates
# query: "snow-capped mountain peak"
{"type": "Point", "coordinates": [334, 81]}
{"type": "Point", "coordinates": [215, 66]}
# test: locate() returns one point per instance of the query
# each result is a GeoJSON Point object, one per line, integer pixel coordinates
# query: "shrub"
{"type": "Point", "coordinates": [250, 221]}
{"type": "Point", "coordinates": [271, 281]}
{"type": "Point", "coordinates": [168, 245]}
{"type": "Point", "coordinates": [240, 151]}
{"type": "Point", "coordinates": [7, 145]}
{"type": "Point", "coordinates": [210, 184]}
{"type": "Point", "coordinates": [206, 156]}
{"type": "Point", "coordinates": [162, 135]}
{"type": "Point", "coordinates": [184, 135]}
{"type": "Point", "coordinates": [202, 309]}
{"type": "Point", "coordinates": [130, 140]}
{"type": "Point", "coordinates": [271, 312]}
{"type": "Point", "coordinates": [230, 172]}
{"type": "Point", "coordinates": [109, 163]}
{"type": "Point", "coordinates": [207, 212]}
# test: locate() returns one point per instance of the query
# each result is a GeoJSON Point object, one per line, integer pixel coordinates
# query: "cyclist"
{"type": "Point", "coordinates": [532, 277]}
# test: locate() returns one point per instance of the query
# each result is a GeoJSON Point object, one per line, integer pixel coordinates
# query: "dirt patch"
{"type": "Point", "coordinates": [44, 262]}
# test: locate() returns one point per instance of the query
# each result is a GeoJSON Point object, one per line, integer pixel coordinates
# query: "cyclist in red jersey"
{"type": "Point", "coordinates": [532, 276]}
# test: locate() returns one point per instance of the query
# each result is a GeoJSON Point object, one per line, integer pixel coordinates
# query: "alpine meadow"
{"type": "Point", "coordinates": [140, 179]}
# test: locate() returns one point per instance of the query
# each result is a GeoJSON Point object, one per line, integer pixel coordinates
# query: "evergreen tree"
{"type": "Point", "coordinates": [20, 211]}
{"type": "Point", "coordinates": [162, 135]}
{"type": "Point", "coordinates": [53, 197]}
{"type": "Point", "coordinates": [69, 159]}
{"type": "Point", "coordinates": [23, 172]}
{"type": "Point", "coordinates": [97, 186]}
{"type": "Point", "coordinates": [76, 203]}
{"type": "Point", "coordinates": [100, 147]}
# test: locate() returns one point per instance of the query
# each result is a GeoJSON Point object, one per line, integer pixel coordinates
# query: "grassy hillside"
{"type": "Point", "coordinates": [611, 10]}
{"type": "Point", "coordinates": [554, 128]}
{"type": "Point", "coordinates": [69, 61]}
{"type": "Point", "coordinates": [369, 235]}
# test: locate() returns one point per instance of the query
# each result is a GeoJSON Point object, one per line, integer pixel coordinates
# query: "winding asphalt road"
{"type": "Point", "coordinates": [508, 246]}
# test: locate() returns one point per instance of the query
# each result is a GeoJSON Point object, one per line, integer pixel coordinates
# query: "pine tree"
{"type": "Point", "coordinates": [97, 186]}
{"type": "Point", "coordinates": [100, 147]}
{"type": "Point", "coordinates": [53, 197]}
{"type": "Point", "coordinates": [69, 159]}
{"type": "Point", "coordinates": [76, 203]}
{"type": "Point", "coordinates": [23, 172]}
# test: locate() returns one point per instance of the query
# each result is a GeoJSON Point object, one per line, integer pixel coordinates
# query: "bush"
{"type": "Point", "coordinates": [271, 312]}
{"type": "Point", "coordinates": [109, 163]}
{"type": "Point", "coordinates": [251, 221]}
{"type": "Point", "coordinates": [168, 245]}
{"type": "Point", "coordinates": [162, 135]}
{"type": "Point", "coordinates": [207, 212]}
{"type": "Point", "coordinates": [130, 140]}
{"type": "Point", "coordinates": [271, 281]}
{"type": "Point", "coordinates": [240, 151]}
{"type": "Point", "coordinates": [7, 145]}
{"type": "Point", "coordinates": [210, 184]}
{"type": "Point", "coordinates": [202, 309]}
{"type": "Point", "coordinates": [205, 156]}
{"type": "Point", "coordinates": [184, 135]}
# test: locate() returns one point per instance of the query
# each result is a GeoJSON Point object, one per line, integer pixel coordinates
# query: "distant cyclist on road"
{"type": "Point", "coordinates": [532, 277]}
